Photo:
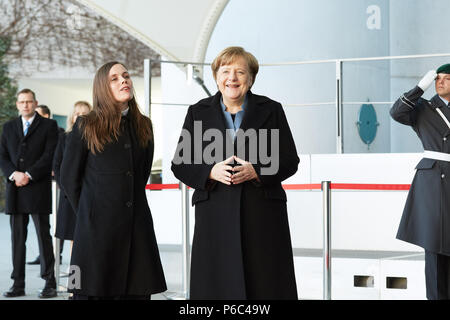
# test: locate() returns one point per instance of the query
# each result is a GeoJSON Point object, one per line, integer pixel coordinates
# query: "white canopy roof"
{"type": "Point", "coordinates": [177, 29]}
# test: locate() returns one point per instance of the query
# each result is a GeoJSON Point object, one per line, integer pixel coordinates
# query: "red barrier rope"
{"type": "Point", "coordinates": [368, 186]}
{"type": "Point", "coordinates": [161, 186]}
{"type": "Point", "coordinates": [313, 186]}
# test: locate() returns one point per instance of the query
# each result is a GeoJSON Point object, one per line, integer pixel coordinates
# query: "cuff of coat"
{"type": "Point", "coordinates": [204, 178]}
{"type": "Point", "coordinates": [262, 178]}
{"type": "Point", "coordinates": [410, 98]}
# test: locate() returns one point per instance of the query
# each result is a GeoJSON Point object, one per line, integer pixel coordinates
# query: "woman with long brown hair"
{"type": "Point", "coordinates": [104, 172]}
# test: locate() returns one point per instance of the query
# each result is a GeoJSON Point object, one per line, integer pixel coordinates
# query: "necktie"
{"type": "Point", "coordinates": [27, 125]}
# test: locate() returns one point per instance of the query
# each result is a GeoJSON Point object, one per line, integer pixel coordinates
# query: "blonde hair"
{"type": "Point", "coordinates": [70, 122]}
{"type": "Point", "coordinates": [229, 55]}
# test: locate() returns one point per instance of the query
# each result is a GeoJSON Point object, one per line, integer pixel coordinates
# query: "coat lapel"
{"type": "Point", "coordinates": [254, 117]}
{"type": "Point", "coordinates": [212, 117]}
{"type": "Point", "coordinates": [436, 102]}
{"type": "Point", "coordinates": [19, 127]}
{"type": "Point", "coordinates": [34, 125]}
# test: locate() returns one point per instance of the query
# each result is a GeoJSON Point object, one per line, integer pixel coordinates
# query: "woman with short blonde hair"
{"type": "Point", "coordinates": [242, 246]}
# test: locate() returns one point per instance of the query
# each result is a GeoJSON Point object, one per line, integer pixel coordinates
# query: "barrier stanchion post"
{"type": "Point", "coordinates": [186, 238]}
{"type": "Point", "coordinates": [339, 110]}
{"type": "Point", "coordinates": [56, 244]}
{"type": "Point", "coordinates": [326, 191]}
{"type": "Point", "coordinates": [185, 247]}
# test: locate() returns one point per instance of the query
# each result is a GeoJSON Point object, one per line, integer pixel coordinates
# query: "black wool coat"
{"type": "Point", "coordinates": [32, 153]}
{"type": "Point", "coordinates": [426, 217]}
{"type": "Point", "coordinates": [66, 218]}
{"type": "Point", "coordinates": [114, 241]}
{"type": "Point", "coordinates": [241, 247]}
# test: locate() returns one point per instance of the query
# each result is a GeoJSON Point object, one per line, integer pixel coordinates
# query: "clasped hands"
{"type": "Point", "coordinates": [20, 179]}
{"type": "Point", "coordinates": [228, 175]}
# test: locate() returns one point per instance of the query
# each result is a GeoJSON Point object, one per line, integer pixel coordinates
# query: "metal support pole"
{"type": "Point", "coordinates": [148, 86]}
{"type": "Point", "coordinates": [186, 239]}
{"type": "Point", "coordinates": [186, 246]}
{"type": "Point", "coordinates": [339, 109]}
{"type": "Point", "coordinates": [56, 244]}
{"type": "Point", "coordinates": [326, 240]}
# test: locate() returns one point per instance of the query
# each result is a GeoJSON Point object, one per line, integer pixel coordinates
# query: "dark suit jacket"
{"type": "Point", "coordinates": [241, 247]}
{"type": "Point", "coordinates": [32, 153]}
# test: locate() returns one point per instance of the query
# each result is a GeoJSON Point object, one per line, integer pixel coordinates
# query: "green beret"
{"type": "Point", "coordinates": [444, 69]}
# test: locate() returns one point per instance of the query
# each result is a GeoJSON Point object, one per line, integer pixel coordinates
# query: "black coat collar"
{"type": "Point", "coordinates": [436, 102]}
{"type": "Point", "coordinates": [254, 117]}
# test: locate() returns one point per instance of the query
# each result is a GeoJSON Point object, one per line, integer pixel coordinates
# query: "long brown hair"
{"type": "Point", "coordinates": [102, 124]}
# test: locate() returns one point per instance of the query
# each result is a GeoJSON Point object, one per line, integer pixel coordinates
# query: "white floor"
{"type": "Point", "coordinates": [356, 275]}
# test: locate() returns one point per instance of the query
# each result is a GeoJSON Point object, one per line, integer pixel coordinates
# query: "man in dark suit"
{"type": "Point", "coordinates": [26, 152]}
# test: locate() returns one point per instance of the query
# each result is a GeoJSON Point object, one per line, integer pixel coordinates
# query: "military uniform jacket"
{"type": "Point", "coordinates": [114, 241]}
{"type": "Point", "coordinates": [32, 153]}
{"type": "Point", "coordinates": [241, 246]}
{"type": "Point", "coordinates": [426, 217]}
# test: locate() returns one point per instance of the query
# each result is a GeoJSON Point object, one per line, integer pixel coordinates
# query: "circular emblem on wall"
{"type": "Point", "coordinates": [367, 124]}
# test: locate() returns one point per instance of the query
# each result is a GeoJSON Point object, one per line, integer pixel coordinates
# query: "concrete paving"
{"type": "Point", "coordinates": [33, 281]}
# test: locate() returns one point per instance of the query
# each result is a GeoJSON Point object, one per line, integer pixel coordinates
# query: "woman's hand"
{"type": "Point", "coordinates": [221, 171]}
{"type": "Point", "coordinates": [244, 172]}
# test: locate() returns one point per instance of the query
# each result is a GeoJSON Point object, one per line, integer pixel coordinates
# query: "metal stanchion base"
{"type": "Point", "coordinates": [61, 289]}
{"type": "Point", "coordinates": [175, 295]}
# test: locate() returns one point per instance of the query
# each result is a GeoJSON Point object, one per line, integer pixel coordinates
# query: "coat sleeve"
{"type": "Point", "coordinates": [41, 168]}
{"type": "Point", "coordinates": [149, 157]}
{"type": "Point", "coordinates": [73, 165]}
{"type": "Point", "coordinates": [288, 159]}
{"type": "Point", "coordinates": [188, 172]}
{"type": "Point", "coordinates": [57, 159]}
{"type": "Point", "coordinates": [405, 109]}
{"type": "Point", "coordinates": [6, 162]}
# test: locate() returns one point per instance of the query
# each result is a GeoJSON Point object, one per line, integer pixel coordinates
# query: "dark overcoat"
{"type": "Point", "coordinates": [426, 217]}
{"type": "Point", "coordinates": [241, 247]}
{"type": "Point", "coordinates": [32, 153]}
{"type": "Point", "coordinates": [66, 218]}
{"type": "Point", "coordinates": [114, 242]}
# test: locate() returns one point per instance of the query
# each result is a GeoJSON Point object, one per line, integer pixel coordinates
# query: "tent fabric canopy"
{"type": "Point", "coordinates": [178, 30]}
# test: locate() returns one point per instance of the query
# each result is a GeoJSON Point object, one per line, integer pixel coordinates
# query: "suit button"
{"type": "Point", "coordinates": [442, 176]}
{"type": "Point", "coordinates": [129, 173]}
{"type": "Point", "coordinates": [445, 138]}
{"type": "Point", "coordinates": [21, 160]}
{"type": "Point", "coordinates": [127, 145]}
{"type": "Point", "coordinates": [129, 204]}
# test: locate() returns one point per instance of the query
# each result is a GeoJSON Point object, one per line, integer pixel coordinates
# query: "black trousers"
{"type": "Point", "coordinates": [437, 276]}
{"type": "Point", "coordinates": [19, 232]}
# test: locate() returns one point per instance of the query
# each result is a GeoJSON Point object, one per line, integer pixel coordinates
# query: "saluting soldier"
{"type": "Point", "coordinates": [426, 217]}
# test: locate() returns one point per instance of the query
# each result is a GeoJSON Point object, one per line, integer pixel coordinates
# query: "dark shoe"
{"type": "Point", "coordinates": [35, 261]}
{"type": "Point", "coordinates": [14, 292]}
{"type": "Point", "coordinates": [47, 293]}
